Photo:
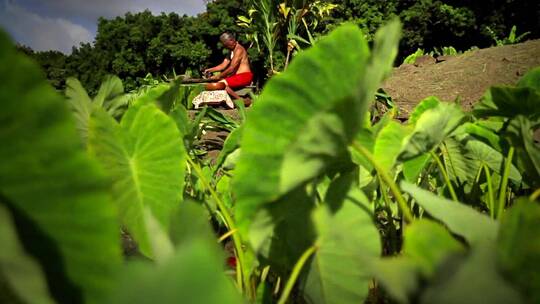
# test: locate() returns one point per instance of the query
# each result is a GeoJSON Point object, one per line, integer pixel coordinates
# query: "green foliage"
{"type": "Point", "coordinates": [431, 129]}
{"type": "Point", "coordinates": [511, 39]}
{"type": "Point", "coordinates": [313, 214]}
{"type": "Point", "coordinates": [518, 249]}
{"type": "Point", "coordinates": [475, 279]}
{"type": "Point", "coordinates": [110, 97]}
{"type": "Point", "coordinates": [327, 117]}
{"type": "Point", "coordinates": [411, 59]}
{"type": "Point", "coordinates": [146, 159]}
{"type": "Point", "coordinates": [347, 241]}
{"type": "Point", "coordinates": [185, 276]}
{"type": "Point", "coordinates": [459, 218]}
{"type": "Point", "coordinates": [58, 197]}
{"type": "Point", "coordinates": [19, 271]}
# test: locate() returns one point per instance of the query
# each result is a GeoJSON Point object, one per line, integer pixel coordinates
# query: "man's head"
{"type": "Point", "coordinates": [228, 40]}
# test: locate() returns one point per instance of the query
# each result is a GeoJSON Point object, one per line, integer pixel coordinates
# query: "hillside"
{"type": "Point", "coordinates": [466, 76]}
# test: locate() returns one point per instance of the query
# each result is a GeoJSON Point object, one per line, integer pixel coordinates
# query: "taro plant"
{"type": "Point", "coordinates": [309, 200]}
{"type": "Point", "coordinates": [511, 39]}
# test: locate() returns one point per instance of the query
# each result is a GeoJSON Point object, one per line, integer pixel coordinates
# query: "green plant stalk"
{"type": "Point", "coordinates": [393, 230]}
{"type": "Point", "coordinates": [445, 175]}
{"type": "Point", "coordinates": [535, 195]}
{"type": "Point", "coordinates": [491, 198]}
{"type": "Point", "coordinates": [389, 181]}
{"type": "Point", "coordinates": [241, 278]}
{"type": "Point", "coordinates": [295, 273]}
{"type": "Point", "coordinates": [504, 182]}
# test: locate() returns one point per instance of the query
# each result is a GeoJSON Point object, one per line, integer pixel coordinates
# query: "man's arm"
{"type": "Point", "coordinates": [218, 68]}
{"type": "Point", "coordinates": [235, 62]}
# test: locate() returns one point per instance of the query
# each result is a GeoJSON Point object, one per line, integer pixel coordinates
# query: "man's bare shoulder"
{"type": "Point", "coordinates": [240, 49]}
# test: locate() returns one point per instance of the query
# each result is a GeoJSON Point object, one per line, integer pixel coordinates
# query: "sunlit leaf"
{"type": "Point", "coordinates": [424, 105]}
{"type": "Point", "coordinates": [388, 144]}
{"type": "Point", "coordinates": [433, 126]}
{"type": "Point", "coordinates": [306, 116]}
{"type": "Point", "coordinates": [81, 105]}
{"type": "Point", "coordinates": [110, 88]}
{"type": "Point", "coordinates": [145, 157]}
{"type": "Point", "coordinates": [461, 219]}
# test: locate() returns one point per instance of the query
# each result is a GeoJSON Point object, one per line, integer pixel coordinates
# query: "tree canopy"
{"type": "Point", "coordinates": [133, 45]}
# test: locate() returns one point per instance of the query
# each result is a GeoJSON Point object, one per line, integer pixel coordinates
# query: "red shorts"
{"type": "Point", "coordinates": [239, 80]}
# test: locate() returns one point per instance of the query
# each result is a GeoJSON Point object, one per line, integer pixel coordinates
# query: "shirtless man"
{"type": "Point", "coordinates": [235, 70]}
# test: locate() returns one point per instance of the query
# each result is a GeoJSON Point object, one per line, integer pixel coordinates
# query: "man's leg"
{"type": "Point", "coordinates": [232, 92]}
{"type": "Point", "coordinates": [229, 90]}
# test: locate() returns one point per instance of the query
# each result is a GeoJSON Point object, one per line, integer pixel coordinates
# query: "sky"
{"type": "Point", "coordinates": [62, 24]}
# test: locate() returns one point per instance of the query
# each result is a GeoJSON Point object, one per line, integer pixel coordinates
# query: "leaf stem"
{"type": "Point", "coordinates": [393, 231]}
{"type": "Point", "coordinates": [240, 277]}
{"type": "Point", "coordinates": [445, 175]}
{"type": "Point", "coordinates": [389, 181]}
{"type": "Point", "coordinates": [295, 273]}
{"type": "Point", "coordinates": [535, 195]}
{"type": "Point", "coordinates": [491, 198]}
{"type": "Point", "coordinates": [504, 182]}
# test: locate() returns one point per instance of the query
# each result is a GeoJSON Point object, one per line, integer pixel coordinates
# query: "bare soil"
{"type": "Point", "coordinates": [466, 76]}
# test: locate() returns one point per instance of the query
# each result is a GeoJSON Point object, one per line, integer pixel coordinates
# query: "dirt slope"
{"type": "Point", "coordinates": [466, 76]}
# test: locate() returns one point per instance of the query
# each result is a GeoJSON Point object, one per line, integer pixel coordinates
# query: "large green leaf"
{"type": "Point", "coordinates": [473, 280]}
{"type": "Point", "coordinates": [483, 133]}
{"type": "Point", "coordinates": [59, 196]}
{"type": "Point", "coordinates": [194, 274]}
{"type": "Point", "coordinates": [22, 273]}
{"type": "Point", "coordinates": [282, 231]}
{"type": "Point", "coordinates": [305, 117]}
{"type": "Point", "coordinates": [424, 105]}
{"type": "Point", "coordinates": [461, 219]}
{"type": "Point", "coordinates": [520, 134]}
{"type": "Point", "coordinates": [510, 102]}
{"type": "Point", "coordinates": [81, 105]}
{"type": "Point", "coordinates": [230, 145]}
{"type": "Point", "coordinates": [427, 245]}
{"type": "Point", "coordinates": [485, 154]}
{"type": "Point", "coordinates": [518, 249]}
{"type": "Point", "coordinates": [347, 243]}
{"type": "Point", "coordinates": [531, 79]}
{"type": "Point", "coordinates": [145, 157]}
{"type": "Point", "coordinates": [398, 275]}
{"type": "Point", "coordinates": [433, 126]}
{"type": "Point", "coordinates": [110, 96]}
{"type": "Point", "coordinates": [388, 144]}
{"type": "Point", "coordinates": [413, 167]}
{"type": "Point", "coordinates": [110, 88]}
{"type": "Point", "coordinates": [461, 166]}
